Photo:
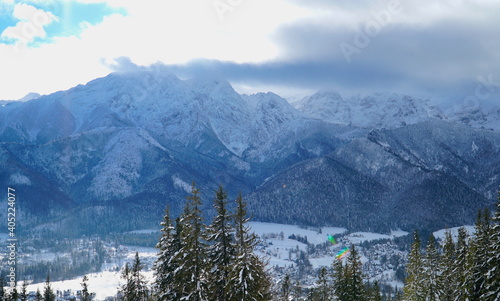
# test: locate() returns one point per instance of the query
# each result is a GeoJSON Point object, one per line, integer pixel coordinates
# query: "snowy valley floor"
{"type": "Point", "coordinates": [288, 249]}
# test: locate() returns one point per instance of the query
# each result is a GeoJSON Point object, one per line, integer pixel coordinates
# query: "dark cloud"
{"type": "Point", "coordinates": [438, 51]}
{"type": "Point", "coordinates": [123, 64]}
{"type": "Point", "coordinates": [433, 57]}
{"type": "Point", "coordinates": [305, 74]}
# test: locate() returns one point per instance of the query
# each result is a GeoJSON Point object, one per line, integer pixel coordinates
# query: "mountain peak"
{"type": "Point", "coordinates": [378, 110]}
{"type": "Point", "coordinates": [30, 96]}
{"type": "Point", "coordinates": [326, 105]}
{"type": "Point", "coordinates": [322, 97]}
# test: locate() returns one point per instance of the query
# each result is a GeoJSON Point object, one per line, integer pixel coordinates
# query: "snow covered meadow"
{"type": "Point", "coordinates": [280, 245]}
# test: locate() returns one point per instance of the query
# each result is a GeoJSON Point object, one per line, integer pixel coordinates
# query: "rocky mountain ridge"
{"type": "Point", "coordinates": [108, 155]}
{"type": "Point", "coordinates": [393, 110]}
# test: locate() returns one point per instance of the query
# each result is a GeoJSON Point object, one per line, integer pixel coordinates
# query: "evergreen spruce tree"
{"type": "Point", "coordinates": [374, 294]}
{"type": "Point", "coordinates": [470, 272]}
{"type": "Point", "coordinates": [140, 285]}
{"type": "Point", "coordinates": [38, 295]}
{"type": "Point", "coordinates": [353, 271]}
{"type": "Point", "coordinates": [479, 253]}
{"type": "Point", "coordinates": [85, 289]}
{"type": "Point", "coordinates": [311, 295]}
{"type": "Point", "coordinates": [286, 287]}
{"type": "Point", "coordinates": [447, 267]}
{"type": "Point", "coordinates": [134, 288]}
{"type": "Point", "coordinates": [190, 276]}
{"type": "Point", "coordinates": [48, 293]}
{"type": "Point", "coordinates": [248, 278]}
{"type": "Point", "coordinates": [348, 279]}
{"type": "Point", "coordinates": [166, 265]}
{"type": "Point", "coordinates": [2, 292]}
{"type": "Point", "coordinates": [340, 281]}
{"type": "Point", "coordinates": [177, 284]}
{"type": "Point", "coordinates": [493, 277]}
{"type": "Point", "coordinates": [222, 249]}
{"type": "Point", "coordinates": [432, 278]}
{"type": "Point", "coordinates": [297, 291]}
{"type": "Point", "coordinates": [128, 288]}
{"type": "Point", "coordinates": [12, 295]}
{"type": "Point", "coordinates": [386, 296]}
{"type": "Point", "coordinates": [323, 287]}
{"type": "Point", "coordinates": [460, 279]}
{"type": "Point", "coordinates": [414, 290]}
{"type": "Point", "coordinates": [399, 296]}
{"type": "Point", "coordinates": [23, 294]}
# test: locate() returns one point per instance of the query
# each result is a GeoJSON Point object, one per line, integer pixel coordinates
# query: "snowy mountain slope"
{"type": "Point", "coordinates": [122, 146]}
{"type": "Point", "coordinates": [30, 96]}
{"type": "Point", "coordinates": [136, 136]}
{"type": "Point", "coordinates": [27, 97]}
{"type": "Point", "coordinates": [328, 106]}
{"type": "Point", "coordinates": [389, 179]}
{"type": "Point", "coordinates": [318, 190]}
{"type": "Point", "coordinates": [166, 106]}
{"type": "Point", "coordinates": [392, 110]}
{"type": "Point", "coordinates": [380, 110]}
{"type": "Point", "coordinates": [470, 155]}
{"type": "Point", "coordinates": [476, 114]}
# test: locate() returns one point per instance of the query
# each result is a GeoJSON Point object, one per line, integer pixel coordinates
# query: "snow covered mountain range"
{"type": "Point", "coordinates": [392, 110]}
{"type": "Point", "coordinates": [110, 154]}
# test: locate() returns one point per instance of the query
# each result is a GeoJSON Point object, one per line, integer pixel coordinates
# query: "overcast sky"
{"type": "Point", "coordinates": [427, 47]}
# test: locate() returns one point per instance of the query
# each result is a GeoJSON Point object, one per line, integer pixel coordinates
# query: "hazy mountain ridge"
{"type": "Point", "coordinates": [392, 110]}
{"type": "Point", "coordinates": [133, 142]}
{"type": "Point", "coordinates": [476, 115]}
{"type": "Point", "coordinates": [379, 110]}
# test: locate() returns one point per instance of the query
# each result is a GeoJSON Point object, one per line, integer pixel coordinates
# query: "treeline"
{"type": "Point", "coordinates": [47, 294]}
{"type": "Point", "coordinates": [343, 282]}
{"type": "Point", "coordinates": [200, 262]}
{"type": "Point", "coordinates": [465, 270]}
{"type": "Point", "coordinates": [84, 258]}
{"type": "Point", "coordinates": [215, 262]}
{"type": "Point", "coordinates": [195, 262]}
{"type": "Point", "coordinates": [134, 239]}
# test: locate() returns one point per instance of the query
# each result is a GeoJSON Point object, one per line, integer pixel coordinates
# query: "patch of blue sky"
{"type": "Point", "coordinates": [72, 14]}
{"type": "Point", "coordinates": [6, 18]}
{"type": "Point", "coordinates": [70, 17]}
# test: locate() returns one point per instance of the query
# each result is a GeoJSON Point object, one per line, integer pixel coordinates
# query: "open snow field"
{"type": "Point", "coordinates": [313, 236]}
{"type": "Point", "coordinates": [359, 237]}
{"type": "Point", "coordinates": [106, 282]}
{"type": "Point", "coordinates": [454, 232]}
{"type": "Point", "coordinates": [275, 246]}
{"type": "Point", "coordinates": [278, 248]}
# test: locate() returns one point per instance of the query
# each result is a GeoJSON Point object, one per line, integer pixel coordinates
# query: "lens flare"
{"type": "Point", "coordinates": [332, 239]}
{"type": "Point", "coordinates": [342, 253]}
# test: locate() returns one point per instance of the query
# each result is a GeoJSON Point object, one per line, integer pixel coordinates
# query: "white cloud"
{"type": "Point", "coordinates": [152, 31]}
{"type": "Point", "coordinates": [426, 43]}
{"type": "Point", "coordinates": [31, 24]}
